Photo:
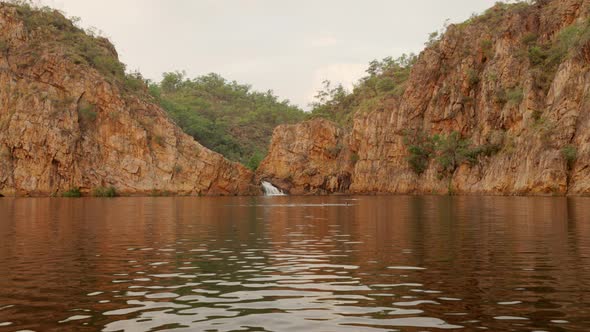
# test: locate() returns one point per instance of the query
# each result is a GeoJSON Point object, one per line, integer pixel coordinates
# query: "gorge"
{"type": "Point", "coordinates": [497, 105]}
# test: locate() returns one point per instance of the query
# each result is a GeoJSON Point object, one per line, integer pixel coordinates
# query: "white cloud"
{"type": "Point", "coordinates": [339, 73]}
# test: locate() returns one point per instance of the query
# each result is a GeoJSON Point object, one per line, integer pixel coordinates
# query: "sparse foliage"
{"type": "Point", "coordinates": [570, 154]}
{"type": "Point", "coordinates": [87, 113]}
{"type": "Point", "coordinates": [82, 46]}
{"type": "Point", "coordinates": [545, 58]}
{"type": "Point", "coordinates": [74, 192]}
{"type": "Point", "coordinates": [449, 151]}
{"type": "Point", "coordinates": [421, 148]}
{"type": "Point", "coordinates": [385, 79]}
{"type": "Point", "coordinates": [105, 192]}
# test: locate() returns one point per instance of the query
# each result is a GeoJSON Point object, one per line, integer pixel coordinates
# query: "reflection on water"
{"type": "Point", "coordinates": [295, 264]}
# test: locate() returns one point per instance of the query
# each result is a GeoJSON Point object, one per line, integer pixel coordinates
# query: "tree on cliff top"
{"type": "Point", "coordinates": [386, 79]}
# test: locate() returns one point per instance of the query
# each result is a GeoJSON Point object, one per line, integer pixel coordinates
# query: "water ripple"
{"type": "Point", "coordinates": [384, 264]}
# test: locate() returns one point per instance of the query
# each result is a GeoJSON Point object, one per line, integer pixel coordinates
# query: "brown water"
{"type": "Point", "coordinates": [295, 264]}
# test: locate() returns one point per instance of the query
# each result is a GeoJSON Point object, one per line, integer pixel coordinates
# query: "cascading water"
{"type": "Point", "coordinates": [270, 190]}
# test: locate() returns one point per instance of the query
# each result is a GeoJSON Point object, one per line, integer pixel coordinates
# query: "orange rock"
{"type": "Point", "coordinates": [64, 125]}
{"type": "Point", "coordinates": [307, 158]}
{"type": "Point", "coordinates": [478, 81]}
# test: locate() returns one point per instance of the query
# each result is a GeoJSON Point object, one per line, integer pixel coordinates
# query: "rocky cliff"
{"type": "Point", "coordinates": [70, 118]}
{"type": "Point", "coordinates": [309, 157]}
{"type": "Point", "coordinates": [499, 105]}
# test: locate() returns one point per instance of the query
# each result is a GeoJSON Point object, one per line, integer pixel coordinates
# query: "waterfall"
{"type": "Point", "coordinates": [270, 190]}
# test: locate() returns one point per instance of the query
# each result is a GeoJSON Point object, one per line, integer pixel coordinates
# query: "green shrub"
{"type": "Point", "coordinates": [537, 55]}
{"type": "Point", "coordinates": [354, 158]}
{"type": "Point", "coordinates": [108, 65]}
{"type": "Point", "coordinates": [74, 192]}
{"type": "Point", "coordinates": [485, 150]}
{"type": "Point", "coordinates": [255, 160]}
{"type": "Point", "coordinates": [224, 116]}
{"type": "Point", "coordinates": [159, 193]}
{"type": "Point", "coordinates": [433, 39]}
{"type": "Point", "coordinates": [386, 78]}
{"type": "Point", "coordinates": [87, 113]}
{"type": "Point", "coordinates": [104, 192]}
{"type": "Point", "coordinates": [487, 47]}
{"type": "Point", "coordinates": [450, 151]}
{"type": "Point", "coordinates": [81, 46]}
{"type": "Point", "coordinates": [536, 115]}
{"type": "Point", "coordinates": [35, 18]}
{"type": "Point", "coordinates": [570, 154]}
{"type": "Point", "coordinates": [473, 77]}
{"type": "Point", "coordinates": [515, 95]}
{"type": "Point", "coordinates": [493, 16]}
{"type": "Point", "coordinates": [420, 148]}
{"type": "Point", "coordinates": [546, 58]}
{"type": "Point", "coordinates": [385, 85]}
{"type": "Point", "coordinates": [419, 158]}
{"type": "Point", "coordinates": [492, 76]}
{"type": "Point", "coordinates": [134, 81]}
{"type": "Point", "coordinates": [529, 38]}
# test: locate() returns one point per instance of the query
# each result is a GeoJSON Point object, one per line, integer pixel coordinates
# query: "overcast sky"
{"type": "Point", "coordinates": [289, 46]}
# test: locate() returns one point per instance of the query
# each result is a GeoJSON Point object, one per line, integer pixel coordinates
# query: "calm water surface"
{"type": "Point", "coordinates": [295, 264]}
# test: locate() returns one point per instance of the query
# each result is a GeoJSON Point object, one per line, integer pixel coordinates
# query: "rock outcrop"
{"type": "Point", "coordinates": [309, 157]}
{"type": "Point", "coordinates": [516, 78]}
{"type": "Point", "coordinates": [64, 124]}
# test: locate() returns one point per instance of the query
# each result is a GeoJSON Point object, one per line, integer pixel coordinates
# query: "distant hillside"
{"type": "Point", "coordinates": [223, 115]}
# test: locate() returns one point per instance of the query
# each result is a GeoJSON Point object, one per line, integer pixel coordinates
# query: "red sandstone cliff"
{"type": "Point", "coordinates": [64, 124]}
{"type": "Point", "coordinates": [501, 79]}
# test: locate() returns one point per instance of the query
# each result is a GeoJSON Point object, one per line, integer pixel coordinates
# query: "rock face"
{"type": "Point", "coordinates": [485, 81]}
{"type": "Point", "coordinates": [309, 157]}
{"type": "Point", "coordinates": [65, 125]}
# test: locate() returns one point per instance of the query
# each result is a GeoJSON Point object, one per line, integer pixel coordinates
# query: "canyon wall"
{"type": "Point", "coordinates": [64, 124]}
{"type": "Point", "coordinates": [502, 79]}
{"type": "Point", "coordinates": [308, 158]}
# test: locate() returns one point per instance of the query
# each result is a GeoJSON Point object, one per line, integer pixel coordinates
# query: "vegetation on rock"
{"type": "Point", "coordinates": [420, 148]}
{"type": "Point", "coordinates": [449, 150]}
{"type": "Point", "coordinates": [104, 192]}
{"type": "Point", "coordinates": [386, 79]}
{"type": "Point", "coordinates": [223, 115]}
{"type": "Point", "coordinates": [49, 27]}
{"type": "Point", "coordinates": [545, 57]}
{"type": "Point", "coordinates": [570, 154]}
{"type": "Point", "coordinates": [74, 192]}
